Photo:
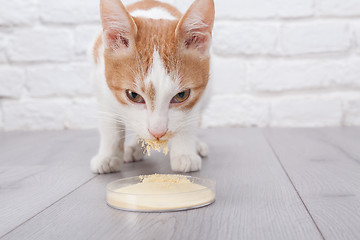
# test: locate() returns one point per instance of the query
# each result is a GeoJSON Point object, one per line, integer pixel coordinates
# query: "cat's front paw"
{"type": "Point", "coordinates": [105, 164]}
{"type": "Point", "coordinates": [186, 163]}
{"type": "Point", "coordinates": [202, 148]}
{"type": "Point", "coordinates": [133, 153]}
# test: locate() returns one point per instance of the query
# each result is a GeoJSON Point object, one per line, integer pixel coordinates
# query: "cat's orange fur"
{"type": "Point", "coordinates": [161, 35]}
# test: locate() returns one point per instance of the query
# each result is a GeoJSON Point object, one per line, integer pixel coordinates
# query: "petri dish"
{"type": "Point", "coordinates": [133, 194]}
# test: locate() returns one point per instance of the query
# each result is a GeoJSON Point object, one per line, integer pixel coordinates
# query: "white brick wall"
{"type": "Point", "coordinates": [254, 9]}
{"type": "Point", "coordinates": [236, 110]}
{"type": "Point", "coordinates": [34, 114]}
{"type": "Point", "coordinates": [18, 12]}
{"type": "Point", "coordinates": [352, 116]}
{"type": "Point", "coordinates": [12, 82]}
{"type": "Point", "coordinates": [34, 45]}
{"type": "Point", "coordinates": [236, 38]}
{"type": "Point", "coordinates": [69, 11]}
{"type": "Point", "coordinates": [3, 44]}
{"type": "Point", "coordinates": [59, 80]}
{"type": "Point", "coordinates": [312, 111]}
{"type": "Point", "coordinates": [339, 8]}
{"type": "Point", "coordinates": [330, 37]}
{"type": "Point", "coordinates": [276, 63]}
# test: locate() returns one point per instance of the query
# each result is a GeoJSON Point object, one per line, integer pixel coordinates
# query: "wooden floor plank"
{"type": "Point", "coordinates": [48, 148]}
{"type": "Point", "coordinates": [39, 168]}
{"type": "Point", "coordinates": [255, 200]}
{"type": "Point", "coordinates": [27, 190]}
{"type": "Point", "coordinates": [324, 165]}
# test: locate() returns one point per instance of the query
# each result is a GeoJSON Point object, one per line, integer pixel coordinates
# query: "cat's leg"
{"type": "Point", "coordinates": [134, 152]}
{"type": "Point", "coordinates": [111, 151]}
{"type": "Point", "coordinates": [202, 148]}
{"type": "Point", "coordinates": [184, 155]}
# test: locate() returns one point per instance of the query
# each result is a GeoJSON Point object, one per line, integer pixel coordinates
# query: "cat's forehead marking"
{"type": "Point", "coordinates": [158, 83]}
{"type": "Point", "coordinates": [159, 35]}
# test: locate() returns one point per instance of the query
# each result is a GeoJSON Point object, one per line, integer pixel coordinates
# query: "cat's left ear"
{"type": "Point", "coordinates": [118, 25]}
{"type": "Point", "coordinates": [195, 27]}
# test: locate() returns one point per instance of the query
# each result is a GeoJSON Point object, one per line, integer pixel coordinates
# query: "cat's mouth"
{"type": "Point", "coordinates": [166, 137]}
{"type": "Point", "coordinates": [156, 145]}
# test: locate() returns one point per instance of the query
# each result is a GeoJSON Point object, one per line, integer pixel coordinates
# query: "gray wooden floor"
{"type": "Point", "coordinates": [271, 184]}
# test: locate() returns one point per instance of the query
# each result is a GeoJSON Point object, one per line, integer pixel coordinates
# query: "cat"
{"type": "Point", "coordinates": [151, 73]}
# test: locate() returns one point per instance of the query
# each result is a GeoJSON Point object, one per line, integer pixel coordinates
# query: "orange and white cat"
{"type": "Point", "coordinates": [151, 75]}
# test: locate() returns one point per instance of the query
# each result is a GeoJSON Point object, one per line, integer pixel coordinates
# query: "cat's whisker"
{"type": "Point", "coordinates": [188, 122]}
{"type": "Point", "coordinates": [114, 115]}
{"type": "Point", "coordinates": [111, 119]}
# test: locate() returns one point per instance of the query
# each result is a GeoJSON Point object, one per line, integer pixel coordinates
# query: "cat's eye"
{"type": "Point", "coordinates": [134, 97]}
{"type": "Point", "coordinates": [181, 97]}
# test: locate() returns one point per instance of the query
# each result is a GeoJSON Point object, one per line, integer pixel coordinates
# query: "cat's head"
{"type": "Point", "coordinates": [157, 69]}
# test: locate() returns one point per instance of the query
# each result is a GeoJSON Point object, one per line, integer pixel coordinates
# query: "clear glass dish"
{"type": "Point", "coordinates": [201, 193]}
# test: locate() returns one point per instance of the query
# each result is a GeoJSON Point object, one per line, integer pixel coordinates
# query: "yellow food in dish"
{"type": "Point", "coordinates": [159, 192]}
{"type": "Point", "coordinates": [164, 178]}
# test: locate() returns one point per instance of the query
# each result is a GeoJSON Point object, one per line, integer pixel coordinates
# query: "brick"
{"type": "Point", "coordinates": [12, 81]}
{"type": "Point", "coordinates": [314, 38]}
{"type": "Point", "coordinates": [35, 114]}
{"type": "Point", "coordinates": [245, 111]}
{"type": "Point", "coordinates": [3, 57]}
{"type": "Point", "coordinates": [339, 7]}
{"type": "Point", "coordinates": [241, 9]}
{"type": "Point", "coordinates": [350, 77]}
{"type": "Point", "coordinates": [279, 75]}
{"type": "Point", "coordinates": [306, 111]}
{"type": "Point", "coordinates": [3, 44]}
{"type": "Point", "coordinates": [41, 45]}
{"type": "Point", "coordinates": [68, 80]}
{"type": "Point", "coordinates": [232, 38]}
{"type": "Point", "coordinates": [352, 112]}
{"type": "Point", "coordinates": [246, 9]}
{"type": "Point", "coordinates": [3, 40]}
{"type": "Point", "coordinates": [1, 120]}
{"type": "Point", "coordinates": [82, 114]}
{"type": "Point", "coordinates": [227, 75]}
{"type": "Point", "coordinates": [18, 12]}
{"type": "Point", "coordinates": [85, 37]}
{"type": "Point", "coordinates": [356, 29]}
{"type": "Point", "coordinates": [274, 76]}
{"type": "Point", "coordinates": [69, 11]}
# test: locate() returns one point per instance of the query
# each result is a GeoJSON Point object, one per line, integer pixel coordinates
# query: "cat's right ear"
{"type": "Point", "coordinates": [119, 28]}
{"type": "Point", "coordinates": [195, 27]}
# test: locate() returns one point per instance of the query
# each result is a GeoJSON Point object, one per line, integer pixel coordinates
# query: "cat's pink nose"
{"type": "Point", "coordinates": [157, 134]}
